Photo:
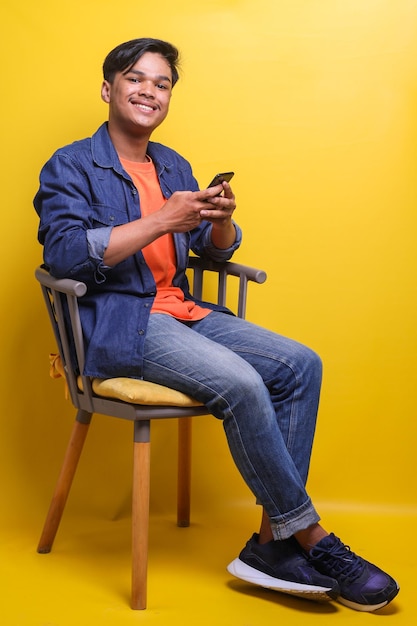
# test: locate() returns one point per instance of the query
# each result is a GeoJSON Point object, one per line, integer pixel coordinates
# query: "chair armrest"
{"type": "Point", "coordinates": [229, 267]}
{"type": "Point", "coordinates": [64, 285]}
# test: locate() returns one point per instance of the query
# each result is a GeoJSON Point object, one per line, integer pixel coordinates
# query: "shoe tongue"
{"type": "Point", "coordinates": [327, 542]}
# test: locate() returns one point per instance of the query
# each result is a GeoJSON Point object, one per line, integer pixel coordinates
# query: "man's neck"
{"type": "Point", "coordinates": [128, 147]}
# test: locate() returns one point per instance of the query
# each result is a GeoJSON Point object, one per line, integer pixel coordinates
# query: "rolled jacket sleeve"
{"type": "Point", "coordinates": [220, 254]}
{"type": "Point", "coordinates": [98, 240]}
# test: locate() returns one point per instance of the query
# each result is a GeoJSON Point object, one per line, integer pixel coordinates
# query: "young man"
{"type": "Point", "coordinates": [121, 213]}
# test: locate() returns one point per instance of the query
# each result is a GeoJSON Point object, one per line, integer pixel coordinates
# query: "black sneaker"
{"type": "Point", "coordinates": [363, 586]}
{"type": "Point", "coordinates": [281, 565]}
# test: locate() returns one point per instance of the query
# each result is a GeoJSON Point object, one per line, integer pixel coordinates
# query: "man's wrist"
{"type": "Point", "coordinates": [224, 236]}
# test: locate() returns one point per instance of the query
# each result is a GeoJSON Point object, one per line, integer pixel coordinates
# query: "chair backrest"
{"type": "Point", "coordinates": [62, 295]}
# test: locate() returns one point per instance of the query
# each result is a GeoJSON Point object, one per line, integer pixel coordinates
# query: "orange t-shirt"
{"type": "Point", "coordinates": [160, 254]}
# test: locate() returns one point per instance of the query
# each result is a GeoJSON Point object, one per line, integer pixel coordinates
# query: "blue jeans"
{"type": "Point", "coordinates": [264, 387]}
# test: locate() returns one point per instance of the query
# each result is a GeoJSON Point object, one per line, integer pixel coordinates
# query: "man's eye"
{"type": "Point", "coordinates": [161, 86]}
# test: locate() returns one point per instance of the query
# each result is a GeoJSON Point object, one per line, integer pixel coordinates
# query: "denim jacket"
{"type": "Point", "coordinates": [84, 192]}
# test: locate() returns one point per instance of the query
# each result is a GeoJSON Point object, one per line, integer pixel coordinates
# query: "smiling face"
{"type": "Point", "coordinates": [139, 97]}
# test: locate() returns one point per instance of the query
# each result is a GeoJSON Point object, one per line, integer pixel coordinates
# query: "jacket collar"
{"type": "Point", "coordinates": [104, 153]}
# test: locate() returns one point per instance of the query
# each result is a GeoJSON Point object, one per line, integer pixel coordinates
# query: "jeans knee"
{"type": "Point", "coordinates": [304, 366]}
{"type": "Point", "coordinates": [247, 387]}
{"type": "Point", "coordinates": [314, 362]}
{"type": "Point", "coordinates": [312, 367]}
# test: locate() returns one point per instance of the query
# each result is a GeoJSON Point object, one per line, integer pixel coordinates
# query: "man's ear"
{"type": "Point", "coordinates": [105, 91]}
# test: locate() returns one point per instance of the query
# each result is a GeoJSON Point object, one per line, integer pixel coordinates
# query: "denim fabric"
{"type": "Point", "coordinates": [84, 192]}
{"type": "Point", "coordinates": [264, 387]}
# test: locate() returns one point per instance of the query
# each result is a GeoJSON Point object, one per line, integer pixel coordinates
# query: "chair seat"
{"type": "Point", "coordinates": [129, 389]}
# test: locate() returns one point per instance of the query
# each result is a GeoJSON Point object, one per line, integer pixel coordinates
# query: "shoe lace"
{"type": "Point", "coordinates": [343, 562]}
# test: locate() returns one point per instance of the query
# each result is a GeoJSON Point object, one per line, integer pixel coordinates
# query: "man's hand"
{"type": "Point", "coordinates": [221, 204]}
{"type": "Point", "coordinates": [220, 213]}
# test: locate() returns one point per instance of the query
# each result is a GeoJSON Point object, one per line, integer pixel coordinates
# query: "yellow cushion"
{"type": "Point", "coordinates": [141, 392]}
{"type": "Point", "coordinates": [128, 389]}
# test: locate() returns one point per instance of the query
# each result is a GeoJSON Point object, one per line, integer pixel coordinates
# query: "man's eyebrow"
{"type": "Point", "coordinates": [157, 77]}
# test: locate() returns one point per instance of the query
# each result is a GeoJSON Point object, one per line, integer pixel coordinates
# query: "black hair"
{"type": "Point", "coordinates": [125, 55]}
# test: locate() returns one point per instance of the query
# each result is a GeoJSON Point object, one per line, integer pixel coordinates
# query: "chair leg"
{"type": "Point", "coordinates": [184, 471]}
{"type": "Point", "coordinates": [63, 486]}
{"type": "Point", "coordinates": [140, 514]}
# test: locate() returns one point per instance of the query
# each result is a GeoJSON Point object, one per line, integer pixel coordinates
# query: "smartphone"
{"type": "Point", "coordinates": [219, 178]}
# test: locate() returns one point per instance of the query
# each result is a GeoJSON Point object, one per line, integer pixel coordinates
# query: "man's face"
{"type": "Point", "coordinates": [139, 99]}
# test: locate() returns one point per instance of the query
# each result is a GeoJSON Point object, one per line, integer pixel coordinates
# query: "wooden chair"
{"type": "Point", "coordinates": [147, 403]}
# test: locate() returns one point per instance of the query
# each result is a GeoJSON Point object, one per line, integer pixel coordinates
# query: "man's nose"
{"type": "Point", "coordinates": [147, 88]}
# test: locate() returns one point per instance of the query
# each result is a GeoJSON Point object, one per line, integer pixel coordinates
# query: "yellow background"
{"type": "Point", "coordinates": [313, 104]}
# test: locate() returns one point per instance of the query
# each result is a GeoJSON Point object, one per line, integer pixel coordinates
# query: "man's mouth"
{"type": "Point", "coordinates": [144, 107]}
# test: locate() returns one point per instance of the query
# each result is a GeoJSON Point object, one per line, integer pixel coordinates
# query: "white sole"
{"type": "Point", "coordinates": [239, 569]}
{"type": "Point", "coordinates": [366, 608]}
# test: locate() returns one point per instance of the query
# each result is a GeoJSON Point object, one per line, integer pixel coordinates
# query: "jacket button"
{"type": "Point", "coordinates": [141, 332]}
